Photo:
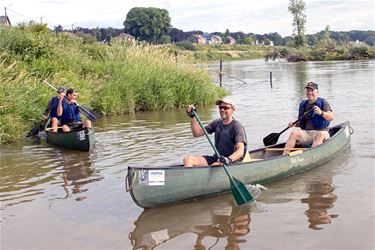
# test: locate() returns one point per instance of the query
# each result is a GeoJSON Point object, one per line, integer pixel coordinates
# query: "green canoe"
{"type": "Point", "coordinates": [157, 186]}
{"type": "Point", "coordinates": [82, 139]}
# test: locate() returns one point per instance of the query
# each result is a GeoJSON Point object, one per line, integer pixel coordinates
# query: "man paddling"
{"type": "Point", "coordinates": [230, 137]}
{"type": "Point", "coordinates": [51, 110]}
{"type": "Point", "coordinates": [69, 112]}
{"type": "Point", "coordinates": [313, 128]}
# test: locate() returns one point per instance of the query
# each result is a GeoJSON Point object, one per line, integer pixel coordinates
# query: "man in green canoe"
{"type": "Point", "coordinates": [69, 112]}
{"type": "Point", "coordinates": [230, 137]}
{"type": "Point", "coordinates": [313, 128]}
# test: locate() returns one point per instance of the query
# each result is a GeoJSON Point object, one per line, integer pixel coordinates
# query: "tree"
{"type": "Point", "coordinates": [297, 8]}
{"type": "Point", "coordinates": [147, 24]}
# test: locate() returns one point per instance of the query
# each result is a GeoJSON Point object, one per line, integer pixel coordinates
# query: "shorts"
{"type": "Point", "coordinates": [75, 125]}
{"type": "Point", "coordinates": [308, 136]}
{"type": "Point", "coordinates": [212, 159]}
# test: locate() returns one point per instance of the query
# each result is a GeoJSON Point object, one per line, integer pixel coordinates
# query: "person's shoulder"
{"type": "Point", "coordinates": [237, 122]}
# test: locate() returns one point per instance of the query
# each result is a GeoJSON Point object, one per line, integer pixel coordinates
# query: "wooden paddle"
{"type": "Point", "coordinates": [89, 113]}
{"type": "Point", "coordinates": [273, 137]}
{"type": "Point", "coordinates": [239, 191]}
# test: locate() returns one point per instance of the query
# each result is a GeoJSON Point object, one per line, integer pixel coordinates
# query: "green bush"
{"type": "Point", "coordinates": [186, 45]}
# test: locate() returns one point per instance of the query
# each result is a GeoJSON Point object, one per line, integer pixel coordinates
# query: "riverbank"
{"type": "Point", "coordinates": [113, 79]}
{"type": "Point", "coordinates": [210, 52]}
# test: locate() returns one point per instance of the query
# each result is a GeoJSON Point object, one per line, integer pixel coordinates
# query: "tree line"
{"type": "Point", "coordinates": [153, 25]}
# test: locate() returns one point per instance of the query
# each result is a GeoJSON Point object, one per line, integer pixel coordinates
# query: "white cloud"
{"type": "Point", "coordinates": [256, 16]}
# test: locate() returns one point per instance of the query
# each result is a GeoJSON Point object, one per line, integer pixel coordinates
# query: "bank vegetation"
{"type": "Point", "coordinates": [116, 79]}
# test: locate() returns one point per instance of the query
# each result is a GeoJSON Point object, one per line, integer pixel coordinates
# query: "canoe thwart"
{"type": "Point", "coordinates": [282, 149]}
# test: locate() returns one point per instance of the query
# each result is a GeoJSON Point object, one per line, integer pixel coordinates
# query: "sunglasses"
{"type": "Point", "coordinates": [224, 107]}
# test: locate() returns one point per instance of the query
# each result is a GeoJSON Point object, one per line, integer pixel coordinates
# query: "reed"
{"type": "Point", "coordinates": [122, 78]}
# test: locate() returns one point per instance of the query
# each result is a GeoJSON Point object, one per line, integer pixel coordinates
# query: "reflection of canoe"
{"type": "Point", "coordinates": [217, 217]}
{"type": "Point", "coordinates": [155, 186]}
{"type": "Point", "coordinates": [82, 139]}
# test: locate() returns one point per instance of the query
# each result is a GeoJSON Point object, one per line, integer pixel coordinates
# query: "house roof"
{"type": "Point", "coordinates": [5, 20]}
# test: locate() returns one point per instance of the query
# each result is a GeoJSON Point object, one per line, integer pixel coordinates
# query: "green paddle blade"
{"type": "Point", "coordinates": [240, 193]}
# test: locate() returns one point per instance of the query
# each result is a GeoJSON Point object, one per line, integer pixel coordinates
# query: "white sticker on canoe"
{"type": "Point", "coordinates": [152, 177]}
{"type": "Point", "coordinates": [297, 159]}
{"type": "Point", "coordinates": [81, 135]}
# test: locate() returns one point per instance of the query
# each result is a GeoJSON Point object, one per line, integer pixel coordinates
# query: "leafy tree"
{"type": "Point", "coordinates": [147, 24]}
{"type": "Point", "coordinates": [325, 41]}
{"type": "Point", "coordinates": [249, 40]}
{"type": "Point", "coordinates": [164, 39]}
{"type": "Point", "coordinates": [297, 8]}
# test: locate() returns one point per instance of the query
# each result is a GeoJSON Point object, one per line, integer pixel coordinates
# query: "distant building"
{"type": "Point", "coordinates": [216, 40]}
{"type": "Point", "coordinates": [231, 40]}
{"type": "Point", "coordinates": [4, 21]}
{"type": "Point", "coordinates": [357, 42]}
{"type": "Point", "coordinates": [126, 37]}
{"type": "Point", "coordinates": [199, 39]}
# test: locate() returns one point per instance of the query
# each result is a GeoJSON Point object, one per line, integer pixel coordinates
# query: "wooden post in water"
{"type": "Point", "coordinates": [221, 72]}
{"type": "Point", "coordinates": [271, 79]}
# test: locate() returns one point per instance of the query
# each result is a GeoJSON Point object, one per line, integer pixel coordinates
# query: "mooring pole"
{"type": "Point", "coordinates": [221, 72]}
{"type": "Point", "coordinates": [271, 79]}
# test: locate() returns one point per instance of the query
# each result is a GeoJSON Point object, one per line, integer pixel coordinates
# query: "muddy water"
{"type": "Point", "coordinates": [53, 198]}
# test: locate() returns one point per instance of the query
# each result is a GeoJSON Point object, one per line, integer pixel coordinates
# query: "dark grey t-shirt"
{"type": "Point", "coordinates": [227, 136]}
{"type": "Point", "coordinates": [309, 124]}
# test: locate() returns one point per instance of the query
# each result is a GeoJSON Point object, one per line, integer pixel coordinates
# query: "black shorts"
{"type": "Point", "coordinates": [212, 158]}
{"type": "Point", "coordinates": [75, 125]}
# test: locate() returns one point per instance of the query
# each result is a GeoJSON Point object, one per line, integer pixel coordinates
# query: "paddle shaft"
{"type": "Point", "coordinates": [218, 155]}
{"type": "Point", "coordinates": [273, 137]}
{"type": "Point", "coordinates": [55, 89]}
{"type": "Point", "coordinates": [299, 118]}
{"type": "Point", "coordinates": [90, 114]}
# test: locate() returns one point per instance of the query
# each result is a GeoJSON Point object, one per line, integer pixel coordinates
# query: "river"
{"type": "Point", "coordinates": [52, 198]}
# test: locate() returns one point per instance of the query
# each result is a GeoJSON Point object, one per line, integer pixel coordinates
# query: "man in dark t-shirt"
{"type": "Point", "coordinates": [230, 137]}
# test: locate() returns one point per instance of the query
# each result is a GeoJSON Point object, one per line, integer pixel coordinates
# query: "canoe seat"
{"type": "Point", "coordinates": [247, 158]}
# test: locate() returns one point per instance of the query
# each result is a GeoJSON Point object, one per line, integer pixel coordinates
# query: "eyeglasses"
{"type": "Point", "coordinates": [224, 107]}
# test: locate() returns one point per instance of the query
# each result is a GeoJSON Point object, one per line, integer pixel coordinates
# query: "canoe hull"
{"type": "Point", "coordinates": [82, 139]}
{"type": "Point", "coordinates": [156, 186]}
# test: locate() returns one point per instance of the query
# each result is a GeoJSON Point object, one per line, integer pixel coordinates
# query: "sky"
{"type": "Point", "coordinates": [255, 16]}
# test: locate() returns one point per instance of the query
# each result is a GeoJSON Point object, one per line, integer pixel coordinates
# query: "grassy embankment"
{"type": "Point", "coordinates": [112, 79]}
{"type": "Point", "coordinates": [209, 52]}
{"type": "Point", "coordinates": [321, 52]}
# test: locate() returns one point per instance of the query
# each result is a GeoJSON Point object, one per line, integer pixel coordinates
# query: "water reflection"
{"type": "Point", "coordinates": [77, 173]}
{"type": "Point", "coordinates": [321, 196]}
{"type": "Point", "coordinates": [320, 199]}
{"type": "Point", "coordinates": [211, 220]}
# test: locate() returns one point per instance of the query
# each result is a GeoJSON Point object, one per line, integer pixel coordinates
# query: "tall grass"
{"type": "Point", "coordinates": [112, 79]}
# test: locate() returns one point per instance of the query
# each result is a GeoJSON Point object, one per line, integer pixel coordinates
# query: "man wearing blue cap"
{"type": "Point", "coordinates": [313, 128]}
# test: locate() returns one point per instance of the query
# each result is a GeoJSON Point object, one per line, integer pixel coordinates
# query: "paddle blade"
{"type": "Point", "coordinates": [271, 139]}
{"type": "Point", "coordinates": [36, 129]}
{"type": "Point", "coordinates": [89, 113]}
{"type": "Point", "coordinates": [240, 193]}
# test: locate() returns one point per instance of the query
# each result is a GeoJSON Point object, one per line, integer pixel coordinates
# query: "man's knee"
{"type": "Point", "coordinates": [188, 161]}
{"type": "Point", "coordinates": [296, 134]}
